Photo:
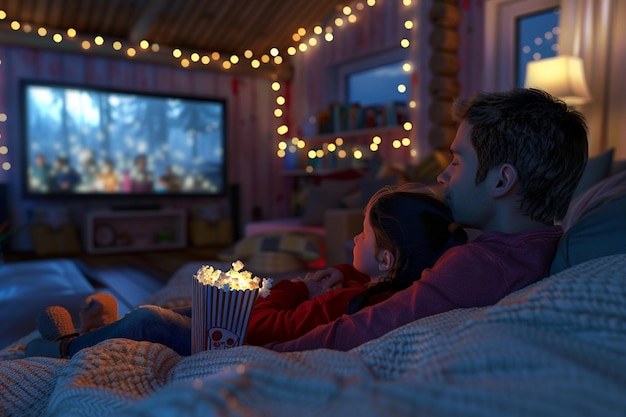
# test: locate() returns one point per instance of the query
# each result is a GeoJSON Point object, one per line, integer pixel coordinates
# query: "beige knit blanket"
{"type": "Point", "coordinates": [555, 348]}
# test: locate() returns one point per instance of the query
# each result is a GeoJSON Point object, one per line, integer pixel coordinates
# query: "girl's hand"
{"type": "Point", "coordinates": [315, 287]}
{"type": "Point", "coordinates": [319, 282]}
{"type": "Point", "coordinates": [329, 278]}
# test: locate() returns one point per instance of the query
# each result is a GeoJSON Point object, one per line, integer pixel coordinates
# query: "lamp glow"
{"type": "Point", "coordinates": [562, 76]}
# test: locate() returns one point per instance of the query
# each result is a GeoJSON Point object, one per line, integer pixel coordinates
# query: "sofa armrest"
{"type": "Point", "coordinates": [341, 226]}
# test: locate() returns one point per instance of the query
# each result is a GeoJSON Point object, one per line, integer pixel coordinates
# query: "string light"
{"type": "Point", "coordinates": [4, 150]}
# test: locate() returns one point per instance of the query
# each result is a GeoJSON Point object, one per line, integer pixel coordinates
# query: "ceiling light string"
{"type": "Point", "coordinates": [86, 43]}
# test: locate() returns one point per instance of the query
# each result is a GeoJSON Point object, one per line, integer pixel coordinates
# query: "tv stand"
{"type": "Point", "coordinates": [131, 230]}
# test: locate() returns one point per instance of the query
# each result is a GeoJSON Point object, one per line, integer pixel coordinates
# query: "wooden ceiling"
{"type": "Point", "coordinates": [203, 26]}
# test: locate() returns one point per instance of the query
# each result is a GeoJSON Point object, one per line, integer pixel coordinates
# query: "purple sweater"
{"type": "Point", "coordinates": [476, 274]}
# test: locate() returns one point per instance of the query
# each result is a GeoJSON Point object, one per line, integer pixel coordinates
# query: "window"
{"type": "Point", "coordinates": [537, 38]}
{"type": "Point", "coordinates": [378, 85]}
{"type": "Point", "coordinates": [372, 80]}
{"type": "Point", "coordinates": [504, 45]}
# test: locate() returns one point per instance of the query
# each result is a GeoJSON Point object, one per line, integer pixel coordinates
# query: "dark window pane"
{"type": "Point", "coordinates": [537, 38]}
{"type": "Point", "coordinates": [378, 85]}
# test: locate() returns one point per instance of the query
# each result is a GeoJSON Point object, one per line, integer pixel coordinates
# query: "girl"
{"type": "Point", "coordinates": [403, 233]}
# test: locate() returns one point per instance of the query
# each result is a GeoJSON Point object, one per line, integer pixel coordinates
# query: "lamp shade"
{"type": "Point", "coordinates": [562, 76]}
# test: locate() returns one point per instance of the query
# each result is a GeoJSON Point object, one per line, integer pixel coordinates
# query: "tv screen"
{"type": "Point", "coordinates": [86, 141]}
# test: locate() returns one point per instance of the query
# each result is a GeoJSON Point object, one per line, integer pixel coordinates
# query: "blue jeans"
{"type": "Point", "coordinates": [171, 328]}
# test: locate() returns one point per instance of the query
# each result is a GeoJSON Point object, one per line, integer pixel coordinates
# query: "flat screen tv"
{"type": "Point", "coordinates": [92, 142]}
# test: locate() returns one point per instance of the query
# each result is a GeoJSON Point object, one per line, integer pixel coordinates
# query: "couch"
{"type": "Point", "coordinates": [557, 347]}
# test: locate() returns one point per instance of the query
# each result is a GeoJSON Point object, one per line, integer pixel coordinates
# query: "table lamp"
{"type": "Point", "coordinates": [562, 76]}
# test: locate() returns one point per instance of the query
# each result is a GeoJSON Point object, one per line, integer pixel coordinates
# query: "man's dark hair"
{"type": "Point", "coordinates": [543, 138]}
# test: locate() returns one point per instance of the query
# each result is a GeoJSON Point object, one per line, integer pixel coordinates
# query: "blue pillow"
{"type": "Point", "coordinates": [601, 232]}
{"type": "Point", "coordinates": [597, 169]}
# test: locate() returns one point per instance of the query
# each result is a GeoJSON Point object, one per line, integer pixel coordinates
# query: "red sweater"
{"type": "Point", "coordinates": [475, 274]}
{"type": "Point", "coordinates": [287, 313]}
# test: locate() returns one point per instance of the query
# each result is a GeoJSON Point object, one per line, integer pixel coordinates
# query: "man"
{"type": "Point", "coordinates": [516, 160]}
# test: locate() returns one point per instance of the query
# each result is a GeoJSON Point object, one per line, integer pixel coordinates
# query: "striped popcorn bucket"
{"type": "Point", "coordinates": [219, 318]}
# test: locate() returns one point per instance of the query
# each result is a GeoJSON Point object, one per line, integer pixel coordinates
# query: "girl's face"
{"type": "Point", "coordinates": [364, 252]}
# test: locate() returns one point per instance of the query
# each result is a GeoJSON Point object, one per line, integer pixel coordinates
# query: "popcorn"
{"type": "Point", "coordinates": [234, 280]}
{"type": "Point", "coordinates": [221, 306]}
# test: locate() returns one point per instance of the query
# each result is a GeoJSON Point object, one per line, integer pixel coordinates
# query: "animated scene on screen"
{"type": "Point", "coordinates": [83, 141]}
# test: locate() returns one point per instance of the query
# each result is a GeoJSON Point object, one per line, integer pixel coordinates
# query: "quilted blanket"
{"type": "Point", "coordinates": [555, 348]}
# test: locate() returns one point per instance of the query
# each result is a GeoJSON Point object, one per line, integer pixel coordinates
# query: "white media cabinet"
{"type": "Point", "coordinates": [114, 231]}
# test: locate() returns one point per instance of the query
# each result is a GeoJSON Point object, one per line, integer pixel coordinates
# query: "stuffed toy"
{"type": "Point", "coordinates": [98, 310]}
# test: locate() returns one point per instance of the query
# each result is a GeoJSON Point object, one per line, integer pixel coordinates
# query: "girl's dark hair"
{"type": "Point", "coordinates": [416, 227]}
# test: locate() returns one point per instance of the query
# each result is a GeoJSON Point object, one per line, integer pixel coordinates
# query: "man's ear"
{"type": "Point", "coordinates": [505, 180]}
{"type": "Point", "coordinates": [385, 260]}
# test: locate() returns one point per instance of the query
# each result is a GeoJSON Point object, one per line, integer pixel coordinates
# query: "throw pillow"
{"type": "Point", "coordinates": [306, 247]}
{"type": "Point", "coordinates": [274, 263]}
{"type": "Point", "coordinates": [598, 225]}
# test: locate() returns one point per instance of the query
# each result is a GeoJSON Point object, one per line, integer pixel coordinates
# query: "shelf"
{"type": "Point", "coordinates": [118, 231]}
